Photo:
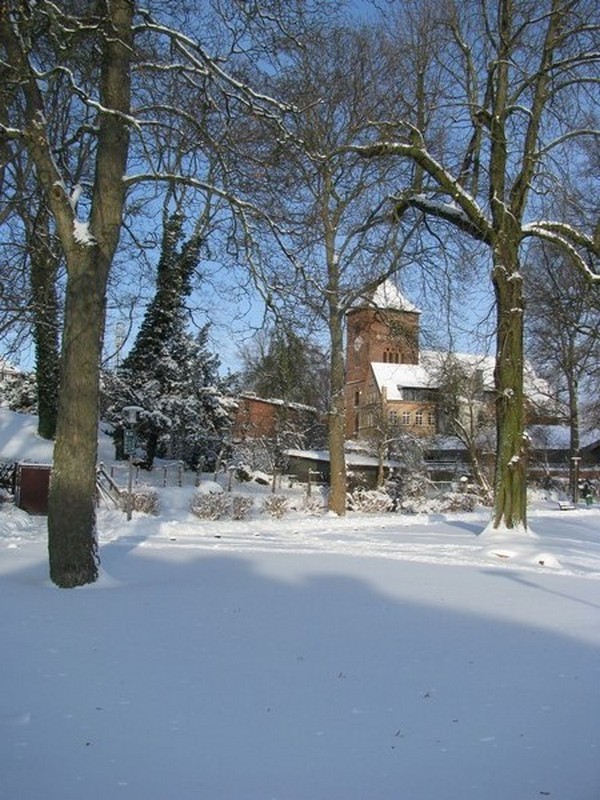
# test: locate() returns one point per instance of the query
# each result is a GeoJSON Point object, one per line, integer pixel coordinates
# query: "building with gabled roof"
{"type": "Point", "coordinates": [390, 380]}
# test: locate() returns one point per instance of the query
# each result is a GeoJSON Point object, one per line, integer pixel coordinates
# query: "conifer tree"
{"type": "Point", "coordinates": [169, 374]}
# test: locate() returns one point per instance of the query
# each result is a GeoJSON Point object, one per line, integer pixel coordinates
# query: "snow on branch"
{"type": "Point", "coordinates": [569, 239]}
{"type": "Point", "coordinates": [465, 213]}
{"type": "Point", "coordinates": [202, 61]}
{"type": "Point", "coordinates": [449, 212]}
{"type": "Point", "coordinates": [567, 136]}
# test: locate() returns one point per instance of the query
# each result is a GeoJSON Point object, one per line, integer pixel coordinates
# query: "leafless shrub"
{"type": "Point", "coordinates": [369, 501]}
{"type": "Point", "coordinates": [209, 506]}
{"type": "Point", "coordinates": [240, 506]}
{"type": "Point", "coordinates": [275, 505]}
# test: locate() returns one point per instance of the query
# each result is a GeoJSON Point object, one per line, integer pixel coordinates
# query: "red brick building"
{"type": "Point", "coordinates": [390, 380]}
{"type": "Point", "coordinates": [258, 417]}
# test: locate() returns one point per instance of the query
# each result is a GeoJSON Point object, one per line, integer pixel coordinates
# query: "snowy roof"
{"type": "Point", "coordinates": [353, 459]}
{"type": "Point", "coordinates": [387, 295]}
{"type": "Point", "coordinates": [273, 401]}
{"type": "Point", "coordinates": [425, 374]}
{"type": "Point", "coordinates": [558, 437]}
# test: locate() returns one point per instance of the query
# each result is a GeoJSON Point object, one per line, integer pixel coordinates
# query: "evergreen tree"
{"type": "Point", "coordinates": [169, 374]}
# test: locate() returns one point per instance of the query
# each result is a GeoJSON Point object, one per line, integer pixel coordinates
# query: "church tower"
{"type": "Point", "coordinates": [382, 329]}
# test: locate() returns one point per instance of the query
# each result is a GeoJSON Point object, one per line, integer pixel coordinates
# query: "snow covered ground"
{"type": "Point", "coordinates": [308, 658]}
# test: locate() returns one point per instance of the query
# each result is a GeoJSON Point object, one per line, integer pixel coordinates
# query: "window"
{"type": "Point", "coordinates": [393, 417]}
{"type": "Point", "coordinates": [356, 398]}
{"type": "Point", "coordinates": [418, 417]}
{"type": "Point", "coordinates": [431, 418]}
{"type": "Point", "coordinates": [406, 417]}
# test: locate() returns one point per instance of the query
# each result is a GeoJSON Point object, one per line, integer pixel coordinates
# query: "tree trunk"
{"type": "Point", "coordinates": [72, 545]}
{"type": "Point", "coordinates": [381, 453]}
{"type": "Point", "coordinates": [337, 416]}
{"type": "Point", "coordinates": [574, 434]}
{"type": "Point", "coordinates": [72, 542]}
{"type": "Point", "coordinates": [510, 502]}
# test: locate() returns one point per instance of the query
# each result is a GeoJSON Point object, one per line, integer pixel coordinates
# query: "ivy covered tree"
{"type": "Point", "coordinates": [170, 374]}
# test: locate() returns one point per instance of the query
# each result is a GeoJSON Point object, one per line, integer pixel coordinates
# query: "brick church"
{"type": "Point", "coordinates": [390, 380]}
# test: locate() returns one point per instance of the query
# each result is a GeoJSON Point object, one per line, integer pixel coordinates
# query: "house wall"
{"type": "Point", "coordinates": [257, 418]}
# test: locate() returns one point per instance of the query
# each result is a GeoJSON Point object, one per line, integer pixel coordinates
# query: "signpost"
{"type": "Point", "coordinates": [129, 442]}
{"type": "Point", "coordinates": [131, 415]}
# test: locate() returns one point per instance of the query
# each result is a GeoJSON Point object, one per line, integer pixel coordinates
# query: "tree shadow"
{"type": "Point", "coordinates": [197, 674]}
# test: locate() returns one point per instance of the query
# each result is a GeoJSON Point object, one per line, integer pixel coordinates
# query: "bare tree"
{"type": "Point", "coordinates": [520, 98]}
{"type": "Point", "coordinates": [28, 37]}
{"type": "Point", "coordinates": [327, 210]}
{"type": "Point", "coordinates": [467, 412]}
{"type": "Point", "coordinates": [563, 330]}
{"type": "Point", "coordinates": [185, 102]}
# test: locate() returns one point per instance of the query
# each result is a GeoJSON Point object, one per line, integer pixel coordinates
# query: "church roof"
{"type": "Point", "coordinates": [387, 295]}
{"type": "Point", "coordinates": [426, 374]}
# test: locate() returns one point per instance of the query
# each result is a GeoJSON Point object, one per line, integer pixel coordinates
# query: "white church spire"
{"type": "Point", "coordinates": [387, 295]}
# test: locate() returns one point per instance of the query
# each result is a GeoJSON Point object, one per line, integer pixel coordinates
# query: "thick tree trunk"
{"type": "Point", "coordinates": [510, 501]}
{"type": "Point", "coordinates": [337, 416]}
{"type": "Point", "coordinates": [72, 503]}
{"type": "Point", "coordinates": [72, 546]}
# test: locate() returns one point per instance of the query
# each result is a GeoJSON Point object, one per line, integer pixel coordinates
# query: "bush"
{"type": "Point", "coordinates": [240, 506]}
{"type": "Point", "coordinates": [209, 506]}
{"type": "Point", "coordinates": [143, 498]}
{"type": "Point", "coordinates": [243, 473]}
{"type": "Point", "coordinates": [369, 501]}
{"type": "Point", "coordinates": [441, 503]}
{"type": "Point", "coordinates": [314, 505]}
{"type": "Point", "coordinates": [275, 505]}
{"type": "Point", "coordinates": [460, 501]}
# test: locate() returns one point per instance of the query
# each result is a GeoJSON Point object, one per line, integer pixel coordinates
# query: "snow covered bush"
{"type": "Point", "coordinates": [461, 501]}
{"type": "Point", "coordinates": [369, 501]}
{"type": "Point", "coordinates": [209, 506]}
{"type": "Point", "coordinates": [243, 473]}
{"type": "Point", "coordinates": [313, 505]}
{"type": "Point", "coordinates": [441, 503]}
{"type": "Point", "coordinates": [216, 505]}
{"type": "Point", "coordinates": [19, 393]}
{"type": "Point", "coordinates": [144, 498]}
{"type": "Point", "coordinates": [275, 505]}
{"type": "Point", "coordinates": [240, 506]}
